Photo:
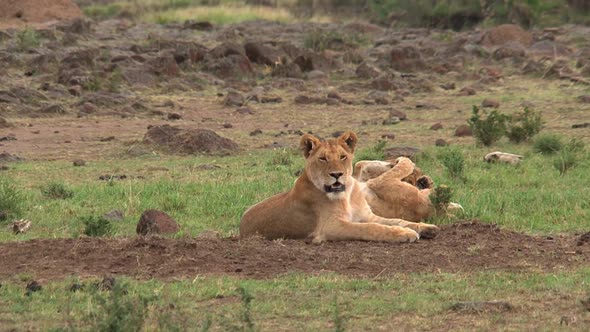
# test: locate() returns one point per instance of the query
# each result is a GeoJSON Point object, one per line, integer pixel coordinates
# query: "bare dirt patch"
{"type": "Point", "coordinates": [20, 13]}
{"type": "Point", "coordinates": [461, 247]}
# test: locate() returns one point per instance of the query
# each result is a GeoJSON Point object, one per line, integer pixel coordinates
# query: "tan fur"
{"type": "Point", "coordinates": [315, 209]}
{"type": "Point", "coordinates": [392, 189]}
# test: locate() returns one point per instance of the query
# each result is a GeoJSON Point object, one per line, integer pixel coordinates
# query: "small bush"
{"type": "Point", "coordinates": [568, 156]}
{"type": "Point", "coordinates": [441, 197]}
{"type": "Point", "coordinates": [246, 298]}
{"type": "Point", "coordinates": [547, 144]}
{"type": "Point", "coordinates": [454, 162]}
{"type": "Point", "coordinates": [524, 125]}
{"type": "Point", "coordinates": [337, 317]}
{"type": "Point", "coordinates": [489, 129]}
{"type": "Point", "coordinates": [27, 39]}
{"type": "Point", "coordinates": [57, 190]}
{"type": "Point", "coordinates": [11, 200]}
{"type": "Point", "coordinates": [97, 226]}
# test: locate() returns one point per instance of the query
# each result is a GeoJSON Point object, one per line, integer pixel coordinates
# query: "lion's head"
{"type": "Point", "coordinates": [329, 163]}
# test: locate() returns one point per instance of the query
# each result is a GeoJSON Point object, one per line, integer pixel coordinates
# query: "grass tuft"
{"type": "Point", "coordinates": [548, 144]}
{"type": "Point", "coordinates": [11, 200]}
{"type": "Point", "coordinates": [97, 226]}
{"type": "Point", "coordinates": [57, 190]}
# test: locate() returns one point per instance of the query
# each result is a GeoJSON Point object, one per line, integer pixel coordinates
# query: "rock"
{"type": "Point", "coordinates": [490, 103]}
{"type": "Point", "coordinates": [114, 215]}
{"type": "Point", "coordinates": [441, 142]}
{"type": "Point", "coordinates": [197, 25]}
{"type": "Point", "coordinates": [384, 82]}
{"type": "Point", "coordinates": [401, 151]}
{"type": "Point", "coordinates": [463, 131]}
{"type": "Point", "coordinates": [388, 136]}
{"type": "Point", "coordinates": [549, 49]}
{"type": "Point", "coordinates": [264, 54]}
{"type": "Point", "coordinates": [234, 98]}
{"type": "Point", "coordinates": [466, 91]}
{"type": "Point", "coordinates": [174, 116]}
{"type": "Point", "coordinates": [256, 132]}
{"type": "Point", "coordinates": [366, 71]}
{"type": "Point", "coordinates": [581, 125]}
{"type": "Point", "coordinates": [291, 70]}
{"type": "Point", "coordinates": [6, 157]}
{"type": "Point", "coordinates": [52, 109]}
{"type": "Point", "coordinates": [398, 114]}
{"type": "Point", "coordinates": [230, 67]}
{"type": "Point", "coordinates": [156, 222]}
{"type": "Point", "coordinates": [309, 61]}
{"type": "Point", "coordinates": [334, 95]}
{"type": "Point", "coordinates": [509, 51]}
{"type": "Point", "coordinates": [79, 162]}
{"type": "Point", "coordinates": [353, 56]}
{"type": "Point", "coordinates": [533, 67]}
{"type": "Point", "coordinates": [191, 141]}
{"type": "Point", "coordinates": [583, 99]}
{"type": "Point", "coordinates": [406, 59]}
{"type": "Point", "coordinates": [88, 108]}
{"type": "Point", "coordinates": [33, 287]}
{"type": "Point", "coordinates": [245, 110]}
{"type": "Point", "coordinates": [448, 86]}
{"type": "Point", "coordinates": [584, 239]}
{"type": "Point", "coordinates": [227, 49]}
{"type": "Point", "coordinates": [164, 65]}
{"type": "Point", "coordinates": [227, 125]}
{"type": "Point", "coordinates": [75, 90]}
{"type": "Point", "coordinates": [316, 75]}
{"type": "Point", "coordinates": [436, 126]}
{"type": "Point", "coordinates": [391, 120]}
{"type": "Point", "coordinates": [506, 33]}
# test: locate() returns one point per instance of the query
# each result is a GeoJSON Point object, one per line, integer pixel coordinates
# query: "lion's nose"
{"type": "Point", "coordinates": [336, 175]}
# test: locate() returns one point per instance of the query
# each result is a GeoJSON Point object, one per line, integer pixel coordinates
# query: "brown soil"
{"type": "Point", "coordinates": [461, 247]}
{"type": "Point", "coordinates": [19, 13]}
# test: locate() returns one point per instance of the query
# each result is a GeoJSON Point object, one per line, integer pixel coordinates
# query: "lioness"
{"type": "Point", "coordinates": [396, 188]}
{"type": "Point", "coordinates": [327, 203]}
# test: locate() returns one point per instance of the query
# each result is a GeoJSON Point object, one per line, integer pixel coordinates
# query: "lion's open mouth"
{"type": "Point", "coordinates": [336, 187]}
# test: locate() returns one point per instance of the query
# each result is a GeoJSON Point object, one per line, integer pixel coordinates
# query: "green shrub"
{"type": "Point", "coordinates": [547, 144]}
{"type": "Point", "coordinates": [568, 156]}
{"type": "Point", "coordinates": [454, 162]}
{"type": "Point", "coordinates": [11, 200]}
{"type": "Point", "coordinates": [524, 125]}
{"type": "Point", "coordinates": [57, 190]}
{"type": "Point", "coordinates": [97, 226]}
{"type": "Point", "coordinates": [441, 197]}
{"type": "Point", "coordinates": [27, 39]}
{"type": "Point", "coordinates": [489, 128]}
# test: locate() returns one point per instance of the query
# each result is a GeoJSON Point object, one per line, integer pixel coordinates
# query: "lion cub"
{"type": "Point", "coordinates": [327, 203]}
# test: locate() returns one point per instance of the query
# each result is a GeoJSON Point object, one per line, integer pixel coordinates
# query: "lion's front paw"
{"type": "Point", "coordinates": [428, 231]}
{"type": "Point", "coordinates": [408, 235]}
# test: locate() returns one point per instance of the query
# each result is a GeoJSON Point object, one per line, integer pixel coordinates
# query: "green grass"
{"type": "Point", "coordinates": [298, 302]}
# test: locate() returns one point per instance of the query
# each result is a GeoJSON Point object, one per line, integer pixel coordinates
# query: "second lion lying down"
{"type": "Point", "coordinates": [327, 203]}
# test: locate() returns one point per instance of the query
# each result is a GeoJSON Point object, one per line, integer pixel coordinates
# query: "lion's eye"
{"type": "Point", "coordinates": [343, 157]}
{"type": "Point", "coordinates": [323, 159]}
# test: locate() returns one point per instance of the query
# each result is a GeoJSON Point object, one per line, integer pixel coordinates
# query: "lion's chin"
{"type": "Point", "coordinates": [335, 188]}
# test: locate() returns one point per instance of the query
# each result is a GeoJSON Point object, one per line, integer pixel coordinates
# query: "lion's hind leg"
{"type": "Point", "coordinates": [426, 231]}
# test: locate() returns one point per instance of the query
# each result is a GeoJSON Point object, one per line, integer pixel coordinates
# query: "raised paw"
{"type": "Point", "coordinates": [424, 182]}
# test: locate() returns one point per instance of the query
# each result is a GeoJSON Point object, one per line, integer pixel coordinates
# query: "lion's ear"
{"type": "Point", "coordinates": [349, 140]}
{"type": "Point", "coordinates": [308, 143]}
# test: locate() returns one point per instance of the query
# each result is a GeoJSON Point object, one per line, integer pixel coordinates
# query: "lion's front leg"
{"type": "Point", "coordinates": [401, 170]}
{"type": "Point", "coordinates": [426, 231]}
{"type": "Point", "coordinates": [342, 230]}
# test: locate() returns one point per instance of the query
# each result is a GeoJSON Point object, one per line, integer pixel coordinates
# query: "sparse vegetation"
{"type": "Point", "coordinates": [454, 162]}
{"type": "Point", "coordinates": [488, 127]}
{"type": "Point", "coordinates": [524, 125]}
{"type": "Point", "coordinates": [568, 156]}
{"type": "Point", "coordinates": [96, 226]}
{"type": "Point", "coordinates": [547, 144]}
{"type": "Point", "coordinates": [11, 200]}
{"type": "Point", "coordinates": [375, 152]}
{"type": "Point", "coordinates": [319, 40]}
{"type": "Point", "coordinates": [57, 190]}
{"type": "Point", "coordinates": [28, 38]}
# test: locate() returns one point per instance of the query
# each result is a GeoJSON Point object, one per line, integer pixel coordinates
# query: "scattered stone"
{"type": "Point", "coordinates": [197, 25]}
{"type": "Point", "coordinates": [234, 98]}
{"type": "Point", "coordinates": [6, 157]}
{"type": "Point", "coordinates": [482, 306]}
{"type": "Point", "coordinates": [466, 91]}
{"type": "Point", "coordinates": [256, 132]}
{"type": "Point", "coordinates": [290, 70]}
{"type": "Point", "coordinates": [4, 168]}
{"type": "Point", "coordinates": [106, 139]}
{"type": "Point", "coordinates": [32, 287]}
{"type": "Point", "coordinates": [584, 239]}
{"type": "Point", "coordinates": [436, 126]}
{"type": "Point", "coordinates": [581, 125]}
{"type": "Point", "coordinates": [79, 163]}
{"type": "Point", "coordinates": [4, 123]}
{"type": "Point", "coordinates": [310, 61]}
{"type": "Point", "coordinates": [381, 100]}
{"type": "Point", "coordinates": [191, 141]}
{"type": "Point", "coordinates": [463, 131]}
{"type": "Point", "coordinates": [389, 136]}
{"type": "Point", "coordinates": [506, 33]}
{"type": "Point", "coordinates": [533, 67]}
{"type": "Point", "coordinates": [406, 59]}
{"type": "Point", "coordinates": [401, 151]}
{"type": "Point", "coordinates": [586, 303]}
{"type": "Point", "coordinates": [109, 177]}
{"type": "Point", "coordinates": [174, 116]}
{"type": "Point", "coordinates": [20, 226]}
{"type": "Point", "coordinates": [366, 71]}
{"type": "Point", "coordinates": [316, 75]}
{"type": "Point", "coordinates": [156, 222]}
{"type": "Point", "coordinates": [584, 99]}
{"type": "Point", "coordinates": [335, 95]}
{"type": "Point", "coordinates": [245, 110]}
{"type": "Point", "coordinates": [75, 90]}
{"type": "Point", "coordinates": [398, 114]}
{"type": "Point", "coordinates": [448, 86]}
{"type": "Point", "coordinates": [549, 49]}
{"type": "Point", "coordinates": [115, 215]}
{"type": "Point", "coordinates": [441, 142]}
{"type": "Point", "coordinates": [227, 125]}
{"type": "Point", "coordinates": [490, 103]}
{"type": "Point", "coordinates": [391, 121]}
{"type": "Point", "coordinates": [7, 138]}
{"type": "Point", "coordinates": [52, 109]}
{"type": "Point", "coordinates": [509, 51]}
{"type": "Point", "coordinates": [264, 54]}
{"type": "Point", "coordinates": [88, 108]}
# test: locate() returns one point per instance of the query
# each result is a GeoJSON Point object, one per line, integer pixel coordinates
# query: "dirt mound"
{"type": "Point", "coordinates": [461, 247]}
{"type": "Point", "coordinates": [17, 13]}
{"type": "Point", "coordinates": [178, 140]}
{"type": "Point", "coordinates": [506, 33]}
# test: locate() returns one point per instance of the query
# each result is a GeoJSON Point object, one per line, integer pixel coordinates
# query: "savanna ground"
{"type": "Point", "coordinates": [519, 239]}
